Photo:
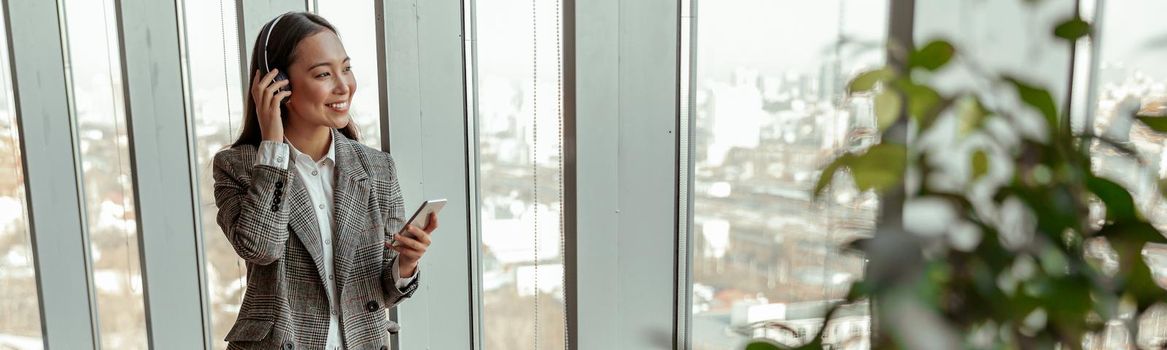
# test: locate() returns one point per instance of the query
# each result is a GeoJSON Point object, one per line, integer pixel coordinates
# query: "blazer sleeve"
{"type": "Point", "coordinates": [253, 215]}
{"type": "Point", "coordinates": [395, 220]}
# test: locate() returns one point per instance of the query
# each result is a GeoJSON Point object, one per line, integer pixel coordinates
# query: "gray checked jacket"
{"type": "Point", "coordinates": [267, 215]}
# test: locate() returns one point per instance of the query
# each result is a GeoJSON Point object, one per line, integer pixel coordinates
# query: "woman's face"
{"type": "Point", "coordinates": [322, 82]}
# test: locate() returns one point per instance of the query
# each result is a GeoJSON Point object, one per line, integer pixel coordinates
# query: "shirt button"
{"type": "Point", "coordinates": [321, 206]}
{"type": "Point", "coordinates": [314, 173]}
{"type": "Point", "coordinates": [329, 277]}
{"type": "Point", "coordinates": [326, 242]}
{"type": "Point", "coordinates": [279, 159]}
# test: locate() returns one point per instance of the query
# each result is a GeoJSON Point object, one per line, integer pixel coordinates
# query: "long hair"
{"type": "Point", "coordinates": [281, 49]}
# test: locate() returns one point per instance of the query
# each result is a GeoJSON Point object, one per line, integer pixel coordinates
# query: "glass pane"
{"type": "Point", "coordinates": [99, 109]}
{"type": "Point", "coordinates": [20, 317]}
{"type": "Point", "coordinates": [764, 253]}
{"type": "Point", "coordinates": [216, 98]}
{"type": "Point", "coordinates": [355, 20]}
{"type": "Point", "coordinates": [1130, 76]}
{"type": "Point", "coordinates": [520, 180]}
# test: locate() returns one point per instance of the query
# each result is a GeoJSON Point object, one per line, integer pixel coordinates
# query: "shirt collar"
{"type": "Point", "coordinates": [330, 156]}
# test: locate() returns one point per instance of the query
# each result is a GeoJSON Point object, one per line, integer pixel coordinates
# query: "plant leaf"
{"type": "Point", "coordinates": [881, 167]}
{"type": "Point", "coordinates": [828, 174]}
{"type": "Point", "coordinates": [1140, 284]}
{"type": "Point", "coordinates": [1120, 206]}
{"type": "Point", "coordinates": [1072, 29]}
{"type": "Point", "coordinates": [764, 344]}
{"type": "Point", "coordinates": [932, 56]}
{"type": "Point", "coordinates": [887, 108]}
{"type": "Point", "coordinates": [980, 164]}
{"type": "Point", "coordinates": [1158, 124]}
{"type": "Point", "coordinates": [924, 103]}
{"type": "Point", "coordinates": [1039, 99]}
{"type": "Point", "coordinates": [1128, 239]}
{"type": "Point", "coordinates": [867, 81]}
{"type": "Point", "coordinates": [972, 114]}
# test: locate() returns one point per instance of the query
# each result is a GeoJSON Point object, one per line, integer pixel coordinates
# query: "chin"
{"type": "Point", "coordinates": [340, 122]}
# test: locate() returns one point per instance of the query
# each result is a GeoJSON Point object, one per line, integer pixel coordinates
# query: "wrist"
{"type": "Point", "coordinates": [406, 269]}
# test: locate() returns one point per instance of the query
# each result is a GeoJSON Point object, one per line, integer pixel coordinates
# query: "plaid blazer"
{"type": "Point", "coordinates": [267, 216]}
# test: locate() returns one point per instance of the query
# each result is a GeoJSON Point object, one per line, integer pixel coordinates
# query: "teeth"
{"type": "Point", "coordinates": [338, 105]}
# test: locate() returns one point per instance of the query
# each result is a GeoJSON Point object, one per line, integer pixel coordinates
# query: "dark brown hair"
{"type": "Point", "coordinates": [281, 48]}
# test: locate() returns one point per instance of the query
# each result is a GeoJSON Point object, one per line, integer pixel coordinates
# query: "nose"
{"type": "Point", "coordinates": [344, 86]}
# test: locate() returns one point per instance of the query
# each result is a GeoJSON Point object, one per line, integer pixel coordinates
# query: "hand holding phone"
{"type": "Point", "coordinates": [413, 240]}
{"type": "Point", "coordinates": [421, 217]}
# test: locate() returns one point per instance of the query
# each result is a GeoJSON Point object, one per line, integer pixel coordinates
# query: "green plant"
{"type": "Point", "coordinates": [1035, 277]}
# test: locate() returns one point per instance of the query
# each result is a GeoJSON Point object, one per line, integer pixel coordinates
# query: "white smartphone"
{"type": "Point", "coordinates": [421, 217]}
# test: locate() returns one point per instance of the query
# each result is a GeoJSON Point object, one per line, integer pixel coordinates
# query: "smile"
{"type": "Point", "coordinates": [338, 106]}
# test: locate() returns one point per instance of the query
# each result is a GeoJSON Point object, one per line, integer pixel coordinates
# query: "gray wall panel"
{"type": "Point", "coordinates": [160, 148]}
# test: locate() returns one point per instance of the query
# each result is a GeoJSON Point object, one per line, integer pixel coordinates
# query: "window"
{"type": "Point", "coordinates": [1127, 76]}
{"type": "Point", "coordinates": [20, 323]}
{"type": "Point", "coordinates": [519, 144]}
{"type": "Point", "coordinates": [354, 19]}
{"type": "Point", "coordinates": [94, 67]}
{"type": "Point", "coordinates": [216, 101]}
{"type": "Point", "coordinates": [763, 251]}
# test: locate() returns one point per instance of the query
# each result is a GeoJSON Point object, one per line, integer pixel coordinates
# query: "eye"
{"type": "Point", "coordinates": [323, 75]}
{"type": "Point", "coordinates": [348, 68]}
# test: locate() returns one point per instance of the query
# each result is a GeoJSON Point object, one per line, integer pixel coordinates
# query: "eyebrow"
{"type": "Point", "coordinates": [346, 59]}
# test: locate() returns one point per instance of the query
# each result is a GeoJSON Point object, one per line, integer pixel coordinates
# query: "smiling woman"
{"type": "Point", "coordinates": [321, 251]}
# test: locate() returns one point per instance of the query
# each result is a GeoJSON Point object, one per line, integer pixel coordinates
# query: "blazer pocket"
{"type": "Point", "coordinates": [249, 330]}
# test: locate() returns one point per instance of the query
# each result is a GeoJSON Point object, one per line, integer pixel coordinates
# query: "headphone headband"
{"type": "Point", "coordinates": [266, 38]}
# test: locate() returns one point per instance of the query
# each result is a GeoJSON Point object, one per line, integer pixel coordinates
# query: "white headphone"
{"type": "Point", "coordinates": [267, 36]}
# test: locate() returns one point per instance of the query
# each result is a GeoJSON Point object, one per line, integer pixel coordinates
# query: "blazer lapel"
{"type": "Point", "coordinates": [350, 203]}
{"type": "Point", "coordinates": [302, 219]}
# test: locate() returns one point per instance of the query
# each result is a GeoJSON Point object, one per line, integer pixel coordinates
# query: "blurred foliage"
{"type": "Point", "coordinates": [1029, 281]}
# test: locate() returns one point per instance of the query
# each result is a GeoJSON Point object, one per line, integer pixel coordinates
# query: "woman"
{"type": "Point", "coordinates": [311, 210]}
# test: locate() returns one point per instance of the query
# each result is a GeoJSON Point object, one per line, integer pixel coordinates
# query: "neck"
{"type": "Point", "coordinates": [310, 140]}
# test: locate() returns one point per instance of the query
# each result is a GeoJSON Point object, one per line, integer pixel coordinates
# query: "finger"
{"type": "Point", "coordinates": [412, 255]}
{"type": "Point", "coordinates": [255, 81]}
{"type": "Point", "coordinates": [433, 224]}
{"type": "Point", "coordinates": [274, 106]}
{"type": "Point", "coordinates": [260, 82]}
{"type": "Point", "coordinates": [279, 84]}
{"type": "Point", "coordinates": [409, 251]}
{"type": "Point", "coordinates": [256, 89]}
{"type": "Point", "coordinates": [271, 75]}
{"type": "Point", "coordinates": [409, 242]}
{"type": "Point", "coordinates": [419, 235]}
{"type": "Point", "coordinates": [275, 86]}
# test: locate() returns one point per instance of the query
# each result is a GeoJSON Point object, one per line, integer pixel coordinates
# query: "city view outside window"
{"type": "Point", "coordinates": [216, 101]}
{"type": "Point", "coordinates": [1131, 78]}
{"type": "Point", "coordinates": [519, 148]}
{"type": "Point", "coordinates": [94, 67]}
{"type": "Point", "coordinates": [770, 110]}
{"type": "Point", "coordinates": [20, 322]}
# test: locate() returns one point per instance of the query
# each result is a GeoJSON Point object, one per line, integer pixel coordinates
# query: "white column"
{"type": "Point", "coordinates": [161, 157]}
{"type": "Point", "coordinates": [627, 87]}
{"type": "Point", "coordinates": [428, 138]}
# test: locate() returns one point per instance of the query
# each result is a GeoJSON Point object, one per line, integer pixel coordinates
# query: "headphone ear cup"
{"type": "Point", "coordinates": [282, 76]}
